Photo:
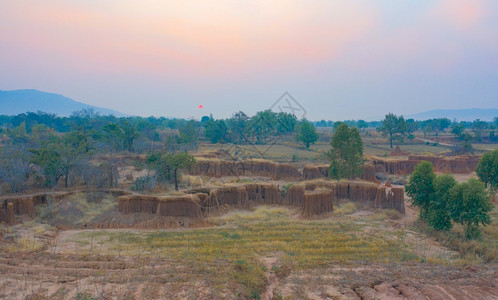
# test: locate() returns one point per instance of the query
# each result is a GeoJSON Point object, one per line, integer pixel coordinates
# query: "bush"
{"type": "Point", "coordinates": [487, 169]}
{"type": "Point", "coordinates": [421, 187]}
{"type": "Point", "coordinates": [439, 216]}
{"type": "Point", "coordinates": [285, 188]}
{"type": "Point", "coordinates": [470, 206]}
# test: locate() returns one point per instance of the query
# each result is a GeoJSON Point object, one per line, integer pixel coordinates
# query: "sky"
{"type": "Point", "coordinates": [349, 59]}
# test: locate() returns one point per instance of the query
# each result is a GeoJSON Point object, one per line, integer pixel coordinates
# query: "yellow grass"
{"type": "Point", "coordinates": [244, 235]}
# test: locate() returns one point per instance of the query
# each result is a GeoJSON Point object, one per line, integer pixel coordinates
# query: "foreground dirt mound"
{"type": "Point", "coordinates": [397, 281]}
{"type": "Point", "coordinates": [65, 274]}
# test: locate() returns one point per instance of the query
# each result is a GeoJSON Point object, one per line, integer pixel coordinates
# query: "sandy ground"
{"type": "Point", "coordinates": [66, 276]}
{"type": "Point", "coordinates": [63, 271]}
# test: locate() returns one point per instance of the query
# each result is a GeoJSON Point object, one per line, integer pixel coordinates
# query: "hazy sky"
{"type": "Point", "coordinates": [345, 59]}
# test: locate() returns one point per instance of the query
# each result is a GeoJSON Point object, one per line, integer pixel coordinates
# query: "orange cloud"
{"type": "Point", "coordinates": [187, 39]}
{"type": "Point", "coordinates": [463, 14]}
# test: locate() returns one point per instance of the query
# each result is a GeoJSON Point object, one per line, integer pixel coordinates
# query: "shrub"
{"type": "Point", "coordinates": [439, 216]}
{"type": "Point", "coordinates": [421, 187]}
{"type": "Point", "coordinates": [487, 169]}
{"type": "Point", "coordinates": [470, 206]}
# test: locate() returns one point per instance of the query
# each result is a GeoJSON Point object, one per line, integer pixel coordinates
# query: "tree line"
{"type": "Point", "coordinates": [396, 129]}
{"type": "Point", "coordinates": [51, 150]}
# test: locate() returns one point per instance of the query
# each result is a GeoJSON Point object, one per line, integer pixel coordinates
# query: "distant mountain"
{"type": "Point", "coordinates": [22, 101]}
{"type": "Point", "coordinates": [469, 114]}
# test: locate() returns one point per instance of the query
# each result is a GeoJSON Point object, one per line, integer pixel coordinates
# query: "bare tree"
{"type": "Point", "coordinates": [15, 167]}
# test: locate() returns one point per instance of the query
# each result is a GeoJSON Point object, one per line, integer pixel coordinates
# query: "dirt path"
{"type": "Point", "coordinates": [273, 280]}
{"type": "Point", "coordinates": [432, 142]}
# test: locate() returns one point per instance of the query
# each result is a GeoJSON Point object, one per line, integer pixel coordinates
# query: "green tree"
{"type": "Point", "coordinates": [216, 131]}
{"type": "Point", "coordinates": [442, 124]}
{"type": "Point", "coordinates": [458, 129]}
{"type": "Point", "coordinates": [337, 124]}
{"type": "Point", "coordinates": [307, 133]}
{"type": "Point", "coordinates": [479, 127]}
{"type": "Point", "coordinates": [263, 124]}
{"type": "Point", "coordinates": [487, 169]}
{"type": "Point", "coordinates": [113, 136]}
{"type": "Point", "coordinates": [73, 148]}
{"type": "Point", "coordinates": [58, 157]}
{"type": "Point", "coordinates": [394, 128]}
{"type": "Point", "coordinates": [179, 161]}
{"type": "Point", "coordinates": [189, 134]}
{"type": "Point", "coordinates": [470, 206]}
{"type": "Point", "coordinates": [167, 166]}
{"type": "Point", "coordinates": [129, 133]}
{"type": "Point", "coordinates": [237, 126]}
{"type": "Point", "coordinates": [285, 123]}
{"type": "Point", "coordinates": [421, 187]}
{"type": "Point", "coordinates": [160, 163]}
{"type": "Point", "coordinates": [346, 155]}
{"type": "Point", "coordinates": [439, 216]}
{"type": "Point", "coordinates": [49, 159]}
{"type": "Point", "coordinates": [411, 126]}
{"type": "Point", "coordinates": [465, 145]}
{"type": "Point", "coordinates": [362, 124]}
{"type": "Point", "coordinates": [428, 127]}
{"type": "Point", "coordinates": [18, 134]}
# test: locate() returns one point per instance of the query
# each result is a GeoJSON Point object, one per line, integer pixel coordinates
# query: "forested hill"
{"type": "Point", "coordinates": [470, 114]}
{"type": "Point", "coordinates": [21, 101]}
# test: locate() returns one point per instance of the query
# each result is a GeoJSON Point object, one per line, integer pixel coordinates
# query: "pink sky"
{"type": "Point", "coordinates": [165, 57]}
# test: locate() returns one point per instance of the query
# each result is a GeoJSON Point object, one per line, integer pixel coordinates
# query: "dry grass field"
{"type": "Point", "coordinates": [247, 254]}
{"type": "Point", "coordinates": [268, 252]}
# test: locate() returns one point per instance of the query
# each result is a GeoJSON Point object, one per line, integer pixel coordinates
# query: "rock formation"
{"type": "Point", "coordinates": [399, 167]}
{"type": "Point", "coordinates": [374, 195]}
{"type": "Point", "coordinates": [220, 168]}
{"type": "Point", "coordinates": [369, 173]}
{"type": "Point", "coordinates": [443, 164]}
{"type": "Point", "coordinates": [315, 171]}
{"type": "Point", "coordinates": [25, 204]}
{"type": "Point", "coordinates": [452, 164]}
{"type": "Point", "coordinates": [311, 172]}
{"type": "Point", "coordinates": [317, 202]}
{"type": "Point", "coordinates": [173, 205]}
{"type": "Point", "coordinates": [10, 218]}
{"type": "Point", "coordinates": [295, 195]}
{"type": "Point", "coordinates": [264, 193]}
